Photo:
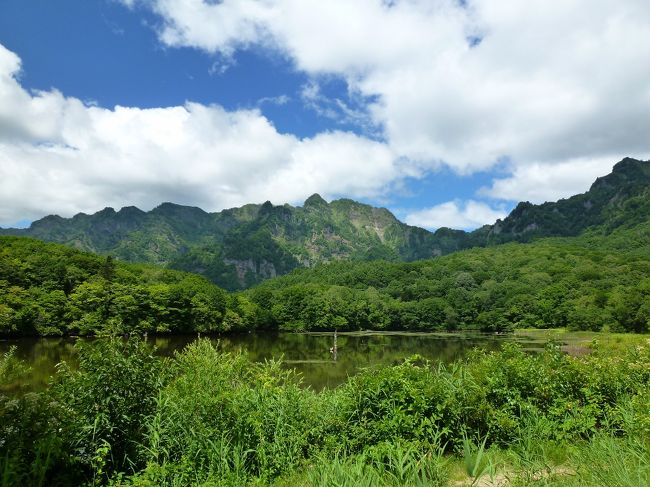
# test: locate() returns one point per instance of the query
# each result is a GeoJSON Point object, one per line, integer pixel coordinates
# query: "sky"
{"type": "Point", "coordinates": [447, 112]}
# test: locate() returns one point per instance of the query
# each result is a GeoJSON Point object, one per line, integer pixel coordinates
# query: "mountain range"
{"type": "Point", "coordinates": [239, 247]}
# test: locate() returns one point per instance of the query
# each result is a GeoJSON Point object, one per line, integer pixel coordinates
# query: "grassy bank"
{"type": "Point", "coordinates": [127, 417]}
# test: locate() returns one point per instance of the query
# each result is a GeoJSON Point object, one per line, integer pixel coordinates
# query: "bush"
{"type": "Point", "coordinates": [108, 401]}
{"type": "Point", "coordinates": [224, 416]}
{"type": "Point", "coordinates": [209, 418]}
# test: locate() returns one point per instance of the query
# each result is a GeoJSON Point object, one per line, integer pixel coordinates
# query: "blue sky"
{"type": "Point", "coordinates": [446, 112]}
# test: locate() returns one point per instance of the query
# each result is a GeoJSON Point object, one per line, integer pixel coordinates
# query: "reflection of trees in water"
{"type": "Point", "coordinates": [42, 355]}
{"type": "Point", "coordinates": [307, 353]}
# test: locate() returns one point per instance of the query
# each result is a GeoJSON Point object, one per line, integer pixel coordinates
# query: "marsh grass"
{"type": "Point", "coordinates": [128, 418]}
{"type": "Point", "coordinates": [13, 371]}
{"type": "Point", "coordinates": [613, 462]}
{"type": "Point", "coordinates": [474, 459]}
{"type": "Point", "coordinates": [385, 465]}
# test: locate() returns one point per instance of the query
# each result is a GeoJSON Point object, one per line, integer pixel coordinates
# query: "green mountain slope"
{"type": "Point", "coordinates": [590, 282]}
{"type": "Point", "coordinates": [621, 198]}
{"type": "Point", "coordinates": [240, 247]}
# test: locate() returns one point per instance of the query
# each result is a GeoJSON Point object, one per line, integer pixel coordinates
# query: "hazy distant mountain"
{"type": "Point", "coordinates": [239, 247]}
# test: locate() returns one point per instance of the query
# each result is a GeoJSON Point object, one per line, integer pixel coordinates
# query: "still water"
{"type": "Point", "coordinates": [309, 353]}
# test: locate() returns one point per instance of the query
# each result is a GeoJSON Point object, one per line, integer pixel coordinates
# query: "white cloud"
{"type": "Point", "coordinates": [549, 82]}
{"type": "Point", "coordinates": [455, 214]}
{"type": "Point", "coordinates": [274, 100]}
{"type": "Point", "coordinates": [538, 183]}
{"type": "Point", "coordinates": [558, 88]}
{"type": "Point", "coordinates": [62, 156]}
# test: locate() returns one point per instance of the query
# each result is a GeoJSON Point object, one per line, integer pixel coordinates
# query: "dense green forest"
{"type": "Point", "coordinates": [591, 282]}
{"type": "Point", "coordinates": [125, 417]}
{"type": "Point", "coordinates": [240, 247]}
{"type": "Point", "coordinates": [49, 289]}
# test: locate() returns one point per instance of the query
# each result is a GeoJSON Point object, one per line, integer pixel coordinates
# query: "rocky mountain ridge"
{"type": "Point", "coordinates": [239, 247]}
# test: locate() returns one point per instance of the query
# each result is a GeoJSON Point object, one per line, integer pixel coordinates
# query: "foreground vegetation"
{"type": "Point", "coordinates": [127, 417]}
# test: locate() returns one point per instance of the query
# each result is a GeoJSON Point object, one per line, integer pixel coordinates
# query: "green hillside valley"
{"type": "Point", "coordinates": [596, 280]}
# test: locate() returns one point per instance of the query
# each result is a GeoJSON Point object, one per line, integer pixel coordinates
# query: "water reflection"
{"type": "Point", "coordinates": [309, 353]}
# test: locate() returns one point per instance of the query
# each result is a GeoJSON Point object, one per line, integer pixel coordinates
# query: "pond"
{"type": "Point", "coordinates": [310, 354]}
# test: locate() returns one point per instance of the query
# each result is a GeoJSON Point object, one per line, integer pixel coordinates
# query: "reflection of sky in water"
{"type": "Point", "coordinates": [308, 353]}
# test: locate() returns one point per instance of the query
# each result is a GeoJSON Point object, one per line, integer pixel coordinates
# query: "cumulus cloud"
{"type": "Point", "coordinates": [464, 84]}
{"type": "Point", "coordinates": [538, 183]}
{"type": "Point", "coordinates": [62, 156]}
{"type": "Point", "coordinates": [456, 214]}
{"type": "Point", "coordinates": [558, 89]}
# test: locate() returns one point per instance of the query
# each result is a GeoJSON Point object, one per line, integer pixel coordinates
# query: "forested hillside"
{"type": "Point", "coordinates": [591, 282]}
{"type": "Point", "coordinates": [621, 198]}
{"type": "Point", "coordinates": [597, 280]}
{"type": "Point", "coordinates": [240, 247]}
{"type": "Point", "coordinates": [49, 289]}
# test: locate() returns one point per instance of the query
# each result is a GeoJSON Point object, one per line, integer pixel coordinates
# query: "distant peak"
{"type": "Point", "coordinates": [130, 210]}
{"type": "Point", "coordinates": [166, 205]}
{"type": "Point", "coordinates": [315, 200]}
{"type": "Point", "coordinates": [266, 208]}
{"type": "Point", "coordinates": [626, 164]}
{"type": "Point", "coordinates": [174, 210]}
{"type": "Point", "coordinates": [626, 171]}
{"type": "Point", "coordinates": [106, 211]}
{"type": "Point", "coordinates": [51, 218]}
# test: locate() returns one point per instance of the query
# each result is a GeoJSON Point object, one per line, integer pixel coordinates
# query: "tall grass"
{"type": "Point", "coordinates": [12, 370]}
{"type": "Point", "coordinates": [125, 417]}
{"type": "Point", "coordinates": [388, 465]}
{"type": "Point", "coordinates": [613, 462]}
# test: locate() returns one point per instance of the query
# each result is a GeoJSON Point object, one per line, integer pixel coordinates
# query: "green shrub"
{"type": "Point", "coordinates": [223, 414]}
{"type": "Point", "coordinates": [33, 449]}
{"type": "Point", "coordinates": [211, 418]}
{"type": "Point", "coordinates": [107, 402]}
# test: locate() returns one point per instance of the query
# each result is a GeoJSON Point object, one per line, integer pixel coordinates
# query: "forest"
{"type": "Point", "coordinates": [592, 282]}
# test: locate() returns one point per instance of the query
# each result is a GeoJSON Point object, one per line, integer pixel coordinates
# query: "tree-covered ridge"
{"type": "Point", "coordinates": [50, 289]}
{"type": "Point", "coordinates": [589, 282]}
{"type": "Point", "coordinates": [621, 198]}
{"type": "Point", "coordinates": [240, 247]}
{"type": "Point", "coordinates": [585, 283]}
